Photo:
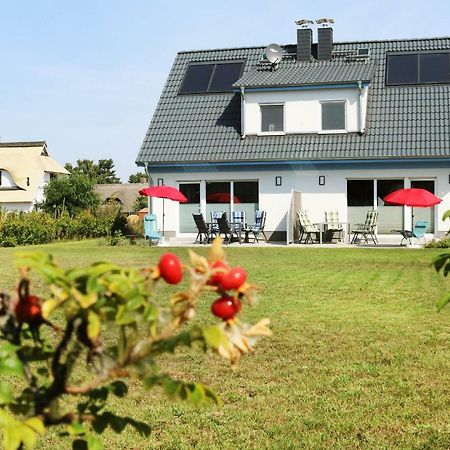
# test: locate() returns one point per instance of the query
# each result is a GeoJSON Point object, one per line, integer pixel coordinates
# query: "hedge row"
{"type": "Point", "coordinates": [22, 228]}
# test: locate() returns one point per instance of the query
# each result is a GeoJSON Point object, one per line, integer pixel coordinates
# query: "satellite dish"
{"type": "Point", "coordinates": [274, 53]}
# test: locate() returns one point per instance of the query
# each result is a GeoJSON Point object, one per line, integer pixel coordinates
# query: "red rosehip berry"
{"type": "Point", "coordinates": [224, 308]}
{"type": "Point", "coordinates": [234, 279]}
{"type": "Point", "coordinates": [220, 269]}
{"type": "Point", "coordinates": [170, 268]}
{"type": "Point", "coordinates": [28, 310]}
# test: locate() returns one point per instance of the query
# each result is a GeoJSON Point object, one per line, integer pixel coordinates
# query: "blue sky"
{"type": "Point", "coordinates": [86, 76]}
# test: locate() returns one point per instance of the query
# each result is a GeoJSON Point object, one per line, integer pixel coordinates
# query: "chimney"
{"type": "Point", "coordinates": [324, 43]}
{"type": "Point", "coordinates": [304, 40]}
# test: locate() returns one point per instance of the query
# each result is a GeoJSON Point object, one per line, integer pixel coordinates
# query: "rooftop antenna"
{"type": "Point", "coordinates": [274, 54]}
{"type": "Point", "coordinates": [324, 22]}
{"type": "Point", "coordinates": [304, 23]}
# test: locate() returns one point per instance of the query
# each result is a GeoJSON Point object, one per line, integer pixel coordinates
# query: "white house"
{"type": "Point", "coordinates": [25, 168]}
{"type": "Point", "coordinates": [332, 126]}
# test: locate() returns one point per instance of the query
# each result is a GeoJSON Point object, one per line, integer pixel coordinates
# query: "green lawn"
{"type": "Point", "coordinates": [359, 358]}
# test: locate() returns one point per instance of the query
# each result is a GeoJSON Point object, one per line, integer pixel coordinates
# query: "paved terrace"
{"type": "Point", "coordinates": [384, 241]}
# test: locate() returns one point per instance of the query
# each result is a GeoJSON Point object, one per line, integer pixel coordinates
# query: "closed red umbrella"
{"type": "Point", "coordinates": [163, 192]}
{"type": "Point", "coordinates": [412, 197]}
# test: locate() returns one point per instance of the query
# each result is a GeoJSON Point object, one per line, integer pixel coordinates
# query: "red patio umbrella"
{"type": "Point", "coordinates": [164, 192]}
{"type": "Point", "coordinates": [412, 197]}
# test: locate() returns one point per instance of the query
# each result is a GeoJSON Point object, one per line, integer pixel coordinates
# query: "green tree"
{"type": "Point", "coordinates": [72, 194]}
{"type": "Point", "coordinates": [136, 177]}
{"type": "Point", "coordinates": [101, 173]}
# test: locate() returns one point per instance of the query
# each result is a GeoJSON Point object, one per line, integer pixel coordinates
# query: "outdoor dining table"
{"type": "Point", "coordinates": [323, 228]}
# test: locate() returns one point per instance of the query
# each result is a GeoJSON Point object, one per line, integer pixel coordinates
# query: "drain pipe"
{"type": "Point", "coordinates": [360, 108]}
{"type": "Point", "coordinates": [242, 112]}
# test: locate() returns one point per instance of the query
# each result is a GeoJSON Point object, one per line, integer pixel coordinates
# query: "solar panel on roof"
{"type": "Point", "coordinates": [224, 76]}
{"type": "Point", "coordinates": [435, 68]}
{"type": "Point", "coordinates": [418, 68]}
{"type": "Point", "coordinates": [197, 78]}
{"type": "Point", "coordinates": [214, 77]}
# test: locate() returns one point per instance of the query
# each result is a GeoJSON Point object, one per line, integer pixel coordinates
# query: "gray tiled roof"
{"type": "Point", "coordinates": [402, 122]}
{"type": "Point", "coordinates": [318, 72]}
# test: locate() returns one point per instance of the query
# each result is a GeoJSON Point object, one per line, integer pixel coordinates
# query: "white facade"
{"type": "Point", "coordinates": [314, 198]}
{"type": "Point", "coordinates": [302, 109]}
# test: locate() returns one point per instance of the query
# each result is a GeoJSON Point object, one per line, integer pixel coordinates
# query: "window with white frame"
{"type": "Point", "coordinates": [333, 116]}
{"type": "Point", "coordinates": [272, 118]}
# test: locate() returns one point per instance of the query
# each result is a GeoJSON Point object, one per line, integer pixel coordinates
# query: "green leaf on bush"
{"type": "Point", "coordinates": [93, 442]}
{"type": "Point", "coordinates": [76, 429]}
{"type": "Point", "coordinates": [440, 261]}
{"type": "Point", "coordinates": [443, 301]}
{"type": "Point", "coordinates": [6, 396]}
{"type": "Point", "coordinates": [36, 424]}
{"type": "Point", "coordinates": [11, 366]}
{"type": "Point", "coordinates": [197, 394]}
{"type": "Point", "coordinates": [85, 300]}
{"type": "Point", "coordinates": [93, 328]}
{"type": "Point", "coordinates": [134, 303]}
{"type": "Point", "coordinates": [49, 306]}
{"type": "Point", "coordinates": [210, 394]}
{"type": "Point", "coordinates": [214, 336]}
{"type": "Point", "coordinates": [7, 349]}
{"type": "Point", "coordinates": [11, 437]}
{"type": "Point", "coordinates": [171, 387]}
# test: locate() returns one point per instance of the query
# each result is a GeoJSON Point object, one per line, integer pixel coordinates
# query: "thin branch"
{"type": "Point", "coordinates": [115, 372]}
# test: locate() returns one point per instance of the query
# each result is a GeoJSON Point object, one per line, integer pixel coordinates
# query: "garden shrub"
{"type": "Point", "coordinates": [31, 228]}
{"type": "Point", "coordinates": [441, 243]}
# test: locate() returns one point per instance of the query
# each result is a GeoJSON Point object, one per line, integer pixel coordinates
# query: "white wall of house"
{"type": "Point", "coordinates": [17, 206]}
{"type": "Point", "coordinates": [40, 191]}
{"type": "Point", "coordinates": [302, 109]}
{"type": "Point", "coordinates": [316, 199]}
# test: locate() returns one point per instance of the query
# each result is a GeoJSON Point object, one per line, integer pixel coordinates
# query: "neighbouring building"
{"type": "Point", "coordinates": [330, 126]}
{"type": "Point", "coordinates": [123, 194]}
{"type": "Point", "coordinates": [25, 168]}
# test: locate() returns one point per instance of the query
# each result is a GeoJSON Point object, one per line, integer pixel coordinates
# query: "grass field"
{"type": "Point", "coordinates": [360, 358]}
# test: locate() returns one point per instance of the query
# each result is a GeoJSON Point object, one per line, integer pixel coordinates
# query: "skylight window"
{"type": "Point", "coordinates": [418, 68]}
{"type": "Point", "coordinates": [211, 77]}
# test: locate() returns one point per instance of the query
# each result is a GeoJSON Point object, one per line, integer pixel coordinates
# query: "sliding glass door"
{"type": "Point", "coordinates": [365, 195]}
{"type": "Point", "coordinates": [390, 217]}
{"type": "Point", "coordinates": [192, 193]}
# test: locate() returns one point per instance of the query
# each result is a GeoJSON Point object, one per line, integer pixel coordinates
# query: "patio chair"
{"type": "Point", "coordinates": [419, 230]}
{"type": "Point", "coordinates": [306, 228]}
{"type": "Point", "coordinates": [258, 227]}
{"type": "Point", "coordinates": [151, 229]}
{"type": "Point", "coordinates": [333, 225]}
{"type": "Point", "coordinates": [205, 233]}
{"type": "Point", "coordinates": [228, 231]}
{"type": "Point", "coordinates": [214, 216]}
{"type": "Point", "coordinates": [238, 220]}
{"type": "Point", "coordinates": [363, 231]}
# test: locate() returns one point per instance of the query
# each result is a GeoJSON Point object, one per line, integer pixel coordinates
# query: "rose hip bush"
{"type": "Point", "coordinates": [41, 383]}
